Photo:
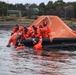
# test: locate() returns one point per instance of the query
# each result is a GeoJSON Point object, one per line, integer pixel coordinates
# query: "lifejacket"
{"type": "Point", "coordinates": [20, 36]}
{"type": "Point", "coordinates": [38, 34]}
{"type": "Point", "coordinates": [21, 28]}
{"type": "Point", "coordinates": [45, 31]}
{"type": "Point", "coordinates": [25, 35]}
{"type": "Point", "coordinates": [30, 32]}
{"type": "Point", "coordinates": [38, 46]}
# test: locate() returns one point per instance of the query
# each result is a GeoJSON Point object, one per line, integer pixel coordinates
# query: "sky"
{"type": "Point", "coordinates": [33, 1]}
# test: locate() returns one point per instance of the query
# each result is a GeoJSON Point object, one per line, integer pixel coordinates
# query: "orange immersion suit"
{"type": "Point", "coordinates": [45, 32]}
{"type": "Point", "coordinates": [14, 30]}
{"type": "Point", "coordinates": [13, 40]}
{"type": "Point", "coordinates": [38, 46]}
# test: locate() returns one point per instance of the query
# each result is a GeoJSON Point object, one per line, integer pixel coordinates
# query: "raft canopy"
{"type": "Point", "coordinates": [58, 28]}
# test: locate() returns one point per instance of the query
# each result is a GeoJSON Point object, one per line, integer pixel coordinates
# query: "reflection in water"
{"type": "Point", "coordinates": [38, 52]}
{"type": "Point", "coordinates": [28, 62]}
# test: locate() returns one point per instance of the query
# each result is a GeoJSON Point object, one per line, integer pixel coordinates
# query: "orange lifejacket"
{"type": "Point", "coordinates": [30, 32]}
{"type": "Point", "coordinates": [48, 31]}
{"type": "Point", "coordinates": [25, 35]}
{"type": "Point", "coordinates": [38, 34]}
{"type": "Point", "coordinates": [20, 35]}
{"type": "Point", "coordinates": [21, 28]}
{"type": "Point", "coordinates": [45, 32]}
{"type": "Point", "coordinates": [38, 46]}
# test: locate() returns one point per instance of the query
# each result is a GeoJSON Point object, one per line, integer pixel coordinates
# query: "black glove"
{"type": "Point", "coordinates": [8, 45]}
{"type": "Point", "coordinates": [12, 34]}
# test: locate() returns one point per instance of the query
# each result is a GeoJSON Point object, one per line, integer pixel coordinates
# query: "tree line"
{"type": "Point", "coordinates": [59, 8]}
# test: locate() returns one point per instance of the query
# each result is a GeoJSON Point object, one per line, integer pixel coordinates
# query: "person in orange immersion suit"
{"type": "Point", "coordinates": [37, 44]}
{"type": "Point", "coordinates": [36, 32]}
{"type": "Point", "coordinates": [26, 33]}
{"type": "Point", "coordinates": [45, 30]}
{"type": "Point", "coordinates": [13, 39]}
{"type": "Point", "coordinates": [24, 36]}
{"type": "Point", "coordinates": [15, 29]}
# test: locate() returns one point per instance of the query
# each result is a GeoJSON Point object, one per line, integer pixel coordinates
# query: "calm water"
{"type": "Point", "coordinates": [25, 62]}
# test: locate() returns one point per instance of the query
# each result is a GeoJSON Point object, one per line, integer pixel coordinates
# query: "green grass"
{"type": "Point", "coordinates": [24, 20]}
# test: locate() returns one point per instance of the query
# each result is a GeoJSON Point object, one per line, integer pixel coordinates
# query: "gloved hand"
{"type": "Point", "coordinates": [8, 45]}
{"type": "Point", "coordinates": [11, 34]}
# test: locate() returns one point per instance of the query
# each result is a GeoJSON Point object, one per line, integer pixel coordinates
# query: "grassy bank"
{"type": "Point", "coordinates": [69, 22]}
{"type": "Point", "coordinates": [24, 20]}
{"type": "Point", "coordinates": [16, 20]}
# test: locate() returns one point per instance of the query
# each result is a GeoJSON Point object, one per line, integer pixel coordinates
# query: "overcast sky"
{"type": "Point", "coordinates": [33, 1]}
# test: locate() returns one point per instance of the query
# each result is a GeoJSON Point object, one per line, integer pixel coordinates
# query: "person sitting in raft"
{"type": "Point", "coordinates": [40, 30]}
{"type": "Point", "coordinates": [24, 34]}
{"type": "Point", "coordinates": [22, 37]}
{"type": "Point", "coordinates": [45, 30]}
{"type": "Point", "coordinates": [27, 33]}
{"type": "Point", "coordinates": [30, 32]}
{"type": "Point", "coordinates": [37, 44]}
{"type": "Point", "coordinates": [36, 32]}
{"type": "Point", "coordinates": [15, 29]}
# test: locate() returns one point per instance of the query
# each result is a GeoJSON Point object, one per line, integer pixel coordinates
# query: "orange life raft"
{"type": "Point", "coordinates": [61, 34]}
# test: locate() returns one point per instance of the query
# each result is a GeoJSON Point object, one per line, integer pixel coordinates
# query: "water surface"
{"type": "Point", "coordinates": [26, 62]}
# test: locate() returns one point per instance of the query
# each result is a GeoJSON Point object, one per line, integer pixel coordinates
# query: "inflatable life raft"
{"type": "Point", "coordinates": [61, 34]}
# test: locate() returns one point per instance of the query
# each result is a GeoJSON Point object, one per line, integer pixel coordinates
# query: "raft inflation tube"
{"type": "Point", "coordinates": [56, 42]}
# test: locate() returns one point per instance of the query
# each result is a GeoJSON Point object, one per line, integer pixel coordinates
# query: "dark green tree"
{"type": "Point", "coordinates": [42, 9]}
